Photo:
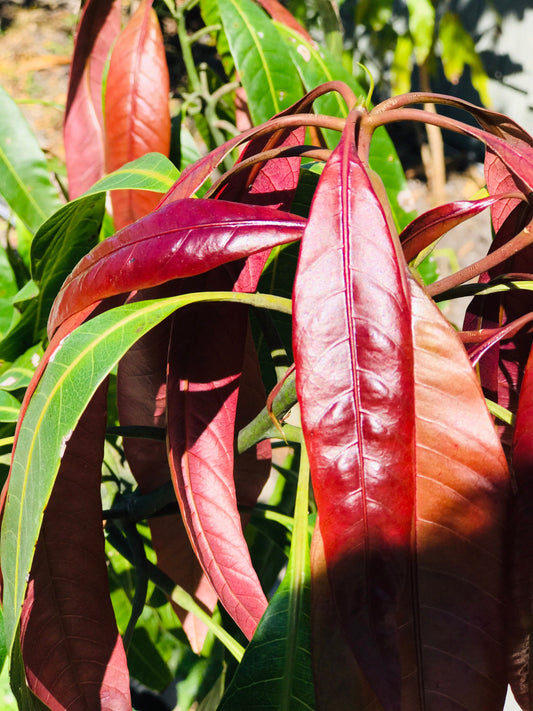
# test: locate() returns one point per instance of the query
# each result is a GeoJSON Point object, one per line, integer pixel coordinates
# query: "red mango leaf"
{"type": "Point", "coordinates": [137, 117]}
{"type": "Point", "coordinates": [83, 130]}
{"type": "Point", "coordinates": [195, 175]}
{"type": "Point", "coordinates": [462, 493]}
{"type": "Point", "coordinates": [202, 391]}
{"type": "Point", "coordinates": [178, 240]}
{"type": "Point", "coordinates": [141, 397]}
{"type": "Point", "coordinates": [73, 653]}
{"type": "Point", "coordinates": [354, 376]}
{"type": "Point", "coordinates": [433, 224]}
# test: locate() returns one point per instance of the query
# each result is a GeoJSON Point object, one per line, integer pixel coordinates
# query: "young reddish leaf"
{"type": "Point", "coordinates": [354, 375]}
{"type": "Point", "coordinates": [202, 391]}
{"type": "Point", "coordinates": [178, 240]}
{"type": "Point", "coordinates": [195, 175]}
{"type": "Point", "coordinates": [429, 226]}
{"type": "Point", "coordinates": [83, 130]}
{"type": "Point", "coordinates": [141, 396]}
{"type": "Point", "coordinates": [137, 117]}
{"type": "Point", "coordinates": [462, 493]}
{"type": "Point", "coordinates": [72, 650]}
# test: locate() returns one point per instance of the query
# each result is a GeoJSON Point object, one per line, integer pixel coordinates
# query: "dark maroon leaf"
{"type": "Point", "coordinates": [355, 386]}
{"type": "Point", "coordinates": [83, 130]}
{"type": "Point", "coordinates": [178, 240]}
{"type": "Point", "coordinates": [137, 118]}
{"type": "Point", "coordinates": [73, 653]}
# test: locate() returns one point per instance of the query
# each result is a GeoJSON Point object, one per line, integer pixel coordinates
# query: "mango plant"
{"type": "Point", "coordinates": [388, 566]}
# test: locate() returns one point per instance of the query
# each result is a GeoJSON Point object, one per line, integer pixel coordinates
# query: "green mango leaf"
{"type": "Point", "coordinates": [75, 369]}
{"type": "Point", "coordinates": [316, 66]}
{"type": "Point", "coordinates": [261, 57]}
{"type": "Point", "coordinates": [152, 171]}
{"type": "Point", "coordinates": [29, 291]}
{"type": "Point", "coordinates": [58, 246]}
{"type": "Point", "coordinates": [24, 179]}
{"type": "Point", "coordinates": [18, 374]}
{"type": "Point", "coordinates": [9, 407]}
{"type": "Point", "coordinates": [458, 49]}
{"type": "Point", "coordinates": [275, 672]}
{"type": "Point", "coordinates": [402, 65]}
{"type": "Point", "coordinates": [421, 27]}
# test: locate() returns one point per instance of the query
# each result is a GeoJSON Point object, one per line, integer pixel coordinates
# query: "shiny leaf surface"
{"type": "Point", "coordinates": [137, 117]}
{"type": "Point", "coordinates": [355, 387]}
{"type": "Point", "coordinates": [83, 128]}
{"type": "Point", "coordinates": [172, 243]}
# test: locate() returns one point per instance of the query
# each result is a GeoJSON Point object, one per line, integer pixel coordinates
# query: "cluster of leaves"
{"type": "Point", "coordinates": [291, 270]}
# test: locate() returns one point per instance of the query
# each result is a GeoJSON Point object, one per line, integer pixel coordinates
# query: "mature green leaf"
{"type": "Point", "coordinates": [25, 181]}
{"type": "Point", "coordinates": [58, 246]}
{"type": "Point", "coordinates": [275, 672]}
{"type": "Point", "coordinates": [316, 66]}
{"type": "Point", "coordinates": [458, 50]}
{"type": "Point", "coordinates": [263, 62]}
{"type": "Point", "coordinates": [9, 407]}
{"type": "Point", "coordinates": [153, 171]}
{"type": "Point", "coordinates": [421, 27]}
{"type": "Point", "coordinates": [76, 366]}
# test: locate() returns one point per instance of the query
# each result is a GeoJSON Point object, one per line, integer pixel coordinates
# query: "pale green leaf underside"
{"type": "Point", "coordinates": [78, 366]}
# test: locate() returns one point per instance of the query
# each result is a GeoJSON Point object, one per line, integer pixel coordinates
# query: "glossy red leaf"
{"type": "Point", "coordinates": [433, 224]}
{"type": "Point", "coordinates": [83, 130]}
{"type": "Point", "coordinates": [73, 653]}
{"type": "Point", "coordinates": [354, 376]}
{"type": "Point", "coordinates": [137, 117]}
{"type": "Point", "coordinates": [178, 240]}
{"type": "Point", "coordinates": [202, 391]}
{"type": "Point", "coordinates": [195, 175]}
{"type": "Point", "coordinates": [462, 494]}
{"type": "Point", "coordinates": [141, 397]}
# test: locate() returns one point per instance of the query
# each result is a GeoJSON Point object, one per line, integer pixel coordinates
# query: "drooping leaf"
{"type": "Point", "coordinates": [203, 388]}
{"type": "Point", "coordinates": [141, 395]}
{"type": "Point", "coordinates": [25, 180]}
{"type": "Point", "coordinates": [458, 49]}
{"type": "Point", "coordinates": [462, 494]}
{"type": "Point", "coordinates": [137, 117]}
{"type": "Point", "coordinates": [73, 368]}
{"type": "Point", "coordinates": [421, 27]}
{"type": "Point", "coordinates": [356, 407]}
{"type": "Point", "coordinates": [263, 64]}
{"type": "Point", "coordinates": [171, 243]}
{"type": "Point", "coordinates": [434, 223]}
{"type": "Point", "coordinates": [83, 129]}
{"type": "Point", "coordinates": [67, 621]}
